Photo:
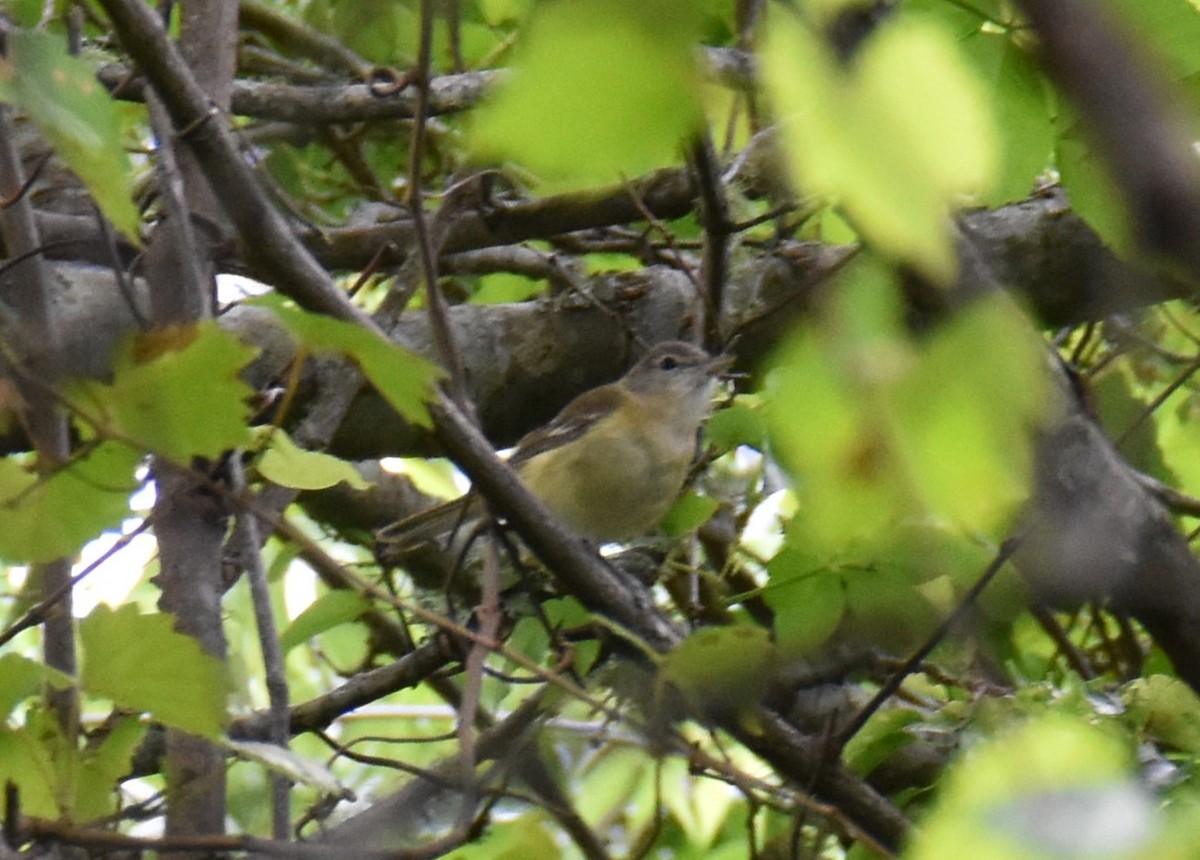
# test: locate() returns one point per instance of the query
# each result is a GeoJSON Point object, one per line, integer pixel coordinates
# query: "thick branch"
{"type": "Point", "coordinates": [1141, 134]}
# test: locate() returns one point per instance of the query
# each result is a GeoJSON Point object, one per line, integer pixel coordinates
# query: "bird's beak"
{"type": "Point", "coordinates": [719, 364]}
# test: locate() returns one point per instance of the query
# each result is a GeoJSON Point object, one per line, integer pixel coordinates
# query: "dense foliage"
{"type": "Point", "coordinates": [928, 591]}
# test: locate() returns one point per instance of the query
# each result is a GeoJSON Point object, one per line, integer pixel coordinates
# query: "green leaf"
{"type": "Point", "coordinates": [828, 377]}
{"type": "Point", "coordinates": [518, 839]}
{"type": "Point", "coordinates": [897, 136]}
{"type": "Point", "coordinates": [28, 761]}
{"type": "Point", "coordinates": [141, 662]}
{"type": "Point", "coordinates": [372, 28]}
{"type": "Point", "coordinates": [741, 423]}
{"type": "Point", "coordinates": [688, 514]}
{"type": "Point", "coordinates": [76, 115]}
{"type": "Point", "coordinates": [45, 519]}
{"type": "Point", "coordinates": [965, 413]}
{"type": "Point", "coordinates": [104, 767]}
{"type": "Point", "coordinates": [505, 287]}
{"type": "Point", "coordinates": [176, 391]}
{"type": "Point", "coordinates": [22, 678]}
{"type": "Point", "coordinates": [327, 611]}
{"type": "Point", "coordinates": [599, 88]}
{"type": "Point", "coordinates": [941, 427]}
{"type": "Point", "coordinates": [501, 12]}
{"type": "Point", "coordinates": [566, 613]}
{"type": "Point", "coordinates": [404, 378]}
{"type": "Point", "coordinates": [1113, 397]}
{"type": "Point", "coordinates": [885, 733]}
{"type": "Point", "coordinates": [808, 600]}
{"type": "Point", "coordinates": [1092, 192]}
{"type": "Point", "coordinates": [1167, 709]}
{"type": "Point", "coordinates": [722, 667]}
{"type": "Point", "coordinates": [433, 476]}
{"type": "Point", "coordinates": [56, 780]}
{"type": "Point", "coordinates": [701, 811]}
{"type": "Point", "coordinates": [288, 465]}
{"type": "Point", "coordinates": [25, 13]}
{"type": "Point", "coordinates": [1020, 100]}
{"type": "Point", "coordinates": [1169, 29]}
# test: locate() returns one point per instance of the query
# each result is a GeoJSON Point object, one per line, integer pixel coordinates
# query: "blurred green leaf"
{"type": "Point", "coordinates": [690, 512]}
{"type": "Point", "coordinates": [1051, 788]}
{"type": "Point", "coordinates": [566, 613]}
{"type": "Point", "coordinates": [599, 88]}
{"type": "Point", "coordinates": [726, 668]}
{"type": "Point", "coordinates": [829, 376]}
{"type": "Point", "coordinates": [1122, 414]}
{"type": "Point", "coordinates": [965, 413]}
{"type": "Point", "coordinates": [807, 599]}
{"type": "Point", "coordinates": [1169, 30]}
{"type": "Point", "coordinates": [104, 766]}
{"type": "Point", "coordinates": [617, 781]}
{"type": "Point", "coordinates": [1091, 189]}
{"type": "Point", "coordinates": [741, 423]}
{"type": "Point", "coordinates": [517, 838]}
{"type": "Point", "coordinates": [77, 117]}
{"type": "Point", "coordinates": [434, 476]}
{"type": "Point", "coordinates": [141, 662]}
{"type": "Point", "coordinates": [896, 137]}
{"type": "Point", "coordinates": [28, 760]}
{"type": "Point", "coordinates": [45, 519]}
{"type": "Point", "coordinates": [1022, 103]}
{"type": "Point", "coordinates": [372, 29]}
{"type": "Point", "coordinates": [885, 733]}
{"type": "Point", "coordinates": [906, 429]}
{"type": "Point", "coordinates": [1167, 709]}
{"type": "Point", "coordinates": [25, 13]}
{"type": "Point", "coordinates": [701, 811]}
{"type": "Point", "coordinates": [503, 12]}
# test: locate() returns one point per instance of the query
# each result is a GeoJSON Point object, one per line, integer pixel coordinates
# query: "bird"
{"type": "Point", "coordinates": [612, 462]}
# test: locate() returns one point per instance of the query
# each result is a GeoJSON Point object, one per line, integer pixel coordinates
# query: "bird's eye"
{"type": "Point", "coordinates": [668, 362]}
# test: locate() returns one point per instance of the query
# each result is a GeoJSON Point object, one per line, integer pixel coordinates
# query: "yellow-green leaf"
{"type": "Point", "coordinates": [600, 88]}
{"type": "Point", "coordinates": [177, 392]}
{"type": "Point", "coordinates": [288, 465]}
{"type": "Point", "coordinates": [808, 600]}
{"type": "Point", "coordinates": [76, 116]}
{"type": "Point", "coordinates": [402, 377]}
{"type": "Point", "coordinates": [1054, 787]}
{"type": "Point", "coordinates": [22, 678]}
{"type": "Point", "coordinates": [879, 428]}
{"type": "Point", "coordinates": [721, 667]}
{"type": "Point", "coordinates": [966, 414]}
{"type": "Point", "coordinates": [142, 663]}
{"type": "Point", "coordinates": [327, 611]}
{"type": "Point", "coordinates": [895, 136]}
{"type": "Point", "coordinates": [46, 518]}
{"type": "Point", "coordinates": [688, 514]}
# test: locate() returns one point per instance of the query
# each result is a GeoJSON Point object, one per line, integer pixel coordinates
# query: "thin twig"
{"type": "Point", "coordinates": [248, 550]}
{"type": "Point", "coordinates": [909, 666]}
{"type": "Point", "coordinates": [714, 214]}
{"type": "Point", "coordinates": [39, 611]}
{"type": "Point", "coordinates": [438, 312]}
{"type": "Point", "coordinates": [1161, 398]}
